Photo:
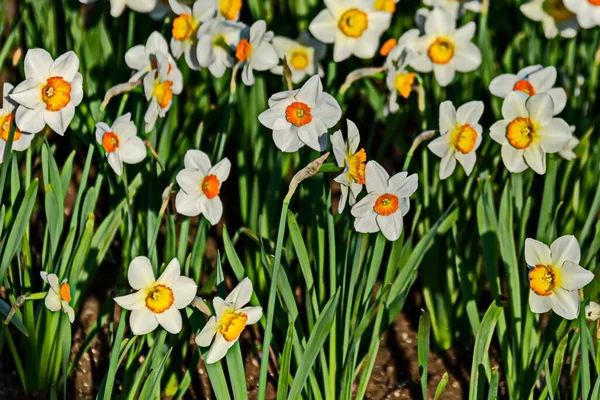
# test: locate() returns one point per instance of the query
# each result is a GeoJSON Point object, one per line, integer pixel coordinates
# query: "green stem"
{"type": "Point", "coordinates": [585, 359]}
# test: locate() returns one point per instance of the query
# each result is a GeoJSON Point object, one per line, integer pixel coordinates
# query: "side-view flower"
{"type": "Point", "coordinates": [59, 295]}
{"type": "Point", "coordinates": [348, 156]}
{"type": "Point", "coordinates": [21, 140]}
{"type": "Point", "coordinates": [256, 52]}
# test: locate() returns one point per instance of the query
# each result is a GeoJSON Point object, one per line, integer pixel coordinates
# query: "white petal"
{"type": "Point", "coordinates": [513, 159]}
{"type": "Point", "coordinates": [543, 79]}
{"type": "Point", "coordinates": [115, 162]}
{"type": "Point", "coordinates": [133, 301]}
{"type": "Point", "coordinates": [541, 108]}
{"type": "Point", "coordinates": [343, 47]}
{"type": "Point", "coordinates": [65, 66]}
{"type": "Point", "coordinates": [467, 161]}
{"type": "Point", "coordinates": [559, 98]}
{"type": "Point", "coordinates": [536, 158]}
{"type": "Point", "coordinates": [328, 110]}
{"type": "Point", "coordinates": [170, 320]}
{"type": "Point", "coordinates": [219, 349]}
{"type": "Point", "coordinates": [339, 148]}
{"type": "Point", "coordinates": [539, 304]}
{"type": "Point", "coordinates": [30, 120]}
{"type": "Point", "coordinates": [254, 314]}
{"type": "Point", "coordinates": [366, 224]}
{"type": "Point", "coordinates": [444, 74]}
{"type": "Point", "coordinates": [555, 136]}
{"type": "Point", "coordinates": [467, 59]}
{"type": "Point", "coordinates": [514, 105]}
{"type": "Point", "coordinates": [364, 208]}
{"type": "Point", "coordinates": [206, 335]}
{"type": "Point", "coordinates": [287, 139]}
{"type": "Point", "coordinates": [310, 91]}
{"type": "Point", "coordinates": [170, 274]}
{"type": "Point", "coordinates": [498, 131]}
{"type": "Point", "coordinates": [314, 135]}
{"type": "Point", "coordinates": [213, 209]}
{"type": "Point", "coordinates": [28, 94]}
{"type": "Point", "coordinates": [376, 178]}
{"type": "Point", "coordinates": [220, 306]}
{"type": "Point", "coordinates": [447, 165]}
{"type": "Point", "coordinates": [136, 58]}
{"type": "Point", "coordinates": [51, 279]}
{"type": "Point", "coordinates": [264, 57]}
{"type": "Point", "coordinates": [37, 64]}
{"type": "Point", "coordinates": [241, 294]}
{"type": "Point", "coordinates": [502, 85]}
{"type": "Point", "coordinates": [447, 118]}
{"type": "Point", "coordinates": [402, 185]}
{"type": "Point", "coordinates": [133, 151]}
{"type": "Point", "coordinates": [537, 253]}
{"type": "Point", "coordinates": [184, 289]}
{"type": "Point", "coordinates": [390, 226]}
{"type": "Point", "coordinates": [140, 274]}
{"type": "Point", "coordinates": [59, 121]}
{"type": "Point", "coordinates": [221, 170]}
{"type": "Point", "coordinates": [69, 311]}
{"type": "Point", "coordinates": [440, 146]}
{"type": "Point", "coordinates": [343, 197]}
{"type": "Point", "coordinates": [469, 113]}
{"type": "Point", "coordinates": [52, 300]}
{"type": "Point", "coordinates": [439, 22]}
{"type": "Point", "coordinates": [565, 248]}
{"type": "Point", "coordinates": [574, 276]}
{"type": "Point", "coordinates": [565, 303]}
{"type": "Point", "coordinates": [142, 321]}
{"type": "Point", "coordinates": [324, 27]}
{"type": "Point", "coordinates": [197, 159]}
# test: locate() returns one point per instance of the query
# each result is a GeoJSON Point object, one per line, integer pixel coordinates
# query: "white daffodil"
{"type": "Point", "coordinates": [567, 153]}
{"type": "Point", "coordinates": [231, 318]}
{"type": "Point", "coordinates": [256, 52]}
{"type": "Point", "coordinates": [460, 136]}
{"type": "Point", "coordinates": [354, 26]}
{"type": "Point", "coordinates": [185, 29]}
{"type": "Point", "coordinates": [302, 56]}
{"type": "Point", "coordinates": [528, 131]}
{"type": "Point", "coordinates": [399, 80]}
{"type": "Point", "coordinates": [556, 19]}
{"type": "Point", "coordinates": [145, 58]}
{"type": "Point", "coordinates": [200, 185]}
{"type": "Point", "coordinates": [120, 143]}
{"type": "Point", "coordinates": [587, 11]}
{"type": "Point", "coordinates": [349, 157]}
{"type": "Point", "coordinates": [58, 296]}
{"type": "Point", "coordinates": [456, 8]}
{"type": "Point", "coordinates": [159, 89]}
{"type": "Point", "coordinates": [51, 91]}
{"type": "Point", "coordinates": [216, 39]}
{"type": "Point", "coordinates": [301, 117]}
{"type": "Point", "coordinates": [142, 6]}
{"type": "Point", "coordinates": [156, 301]}
{"type": "Point", "coordinates": [385, 5]}
{"type": "Point", "coordinates": [592, 311]}
{"type": "Point", "coordinates": [555, 276]}
{"type": "Point", "coordinates": [531, 80]}
{"type": "Point", "coordinates": [21, 140]}
{"type": "Point", "coordinates": [445, 49]}
{"type": "Point", "coordinates": [386, 201]}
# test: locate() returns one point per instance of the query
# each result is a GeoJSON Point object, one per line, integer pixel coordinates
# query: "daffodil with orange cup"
{"type": "Point", "coordinates": [185, 29]}
{"type": "Point", "coordinates": [120, 143]}
{"type": "Point", "coordinates": [159, 89]}
{"type": "Point", "coordinates": [255, 51]}
{"type": "Point", "coordinates": [59, 295]}
{"type": "Point", "coordinates": [21, 140]}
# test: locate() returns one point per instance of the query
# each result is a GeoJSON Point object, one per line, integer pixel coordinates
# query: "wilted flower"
{"type": "Point", "coordinates": [145, 58]}
{"type": "Point", "coordinates": [445, 49]}
{"type": "Point", "coordinates": [354, 27]}
{"type": "Point", "coordinates": [528, 131]}
{"type": "Point", "coordinates": [349, 157]}
{"type": "Point", "coordinates": [460, 136]}
{"type": "Point", "coordinates": [216, 39]}
{"type": "Point", "coordinates": [555, 276]}
{"type": "Point", "coordinates": [58, 296]}
{"type": "Point", "coordinates": [21, 140]}
{"type": "Point", "coordinates": [185, 29]}
{"type": "Point", "coordinates": [531, 80]}
{"type": "Point", "coordinates": [302, 56]}
{"type": "Point", "coordinates": [231, 318]}
{"type": "Point", "coordinates": [157, 301]}
{"type": "Point", "coordinates": [200, 185]}
{"type": "Point", "coordinates": [592, 311]}
{"type": "Point", "coordinates": [386, 201]}
{"type": "Point", "coordinates": [300, 117]}
{"type": "Point", "coordinates": [256, 52]}
{"type": "Point", "coordinates": [120, 143]}
{"type": "Point", "coordinates": [555, 17]}
{"type": "Point", "coordinates": [587, 11]}
{"type": "Point", "coordinates": [51, 91]}
{"type": "Point", "coordinates": [159, 89]}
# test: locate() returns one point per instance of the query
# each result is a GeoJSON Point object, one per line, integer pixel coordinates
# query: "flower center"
{"type": "Point", "coordinates": [211, 186]}
{"type": "Point", "coordinates": [56, 93]}
{"type": "Point", "coordinates": [441, 51]}
{"type": "Point", "coordinates": [110, 142]}
{"type": "Point", "coordinates": [163, 93]}
{"type": "Point", "coordinates": [243, 50]}
{"type": "Point", "coordinates": [386, 204]}
{"type": "Point", "coordinates": [524, 86]}
{"type": "Point", "coordinates": [230, 9]}
{"type": "Point", "coordinates": [388, 46]}
{"type": "Point", "coordinates": [464, 138]}
{"type": "Point", "coordinates": [299, 59]}
{"type": "Point", "coordinates": [356, 166]}
{"type": "Point", "coordinates": [159, 299]}
{"type": "Point", "coordinates": [520, 133]}
{"type": "Point", "coordinates": [353, 22]}
{"type": "Point", "coordinates": [6, 121]}
{"type": "Point", "coordinates": [385, 5]}
{"type": "Point", "coordinates": [543, 279]}
{"type": "Point", "coordinates": [298, 114]}
{"type": "Point", "coordinates": [232, 324]}
{"type": "Point", "coordinates": [558, 11]}
{"type": "Point", "coordinates": [184, 27]}
{"type": "Point", "coordinates": [404, 83]}
{"type": "Point", "coordinates": [65, 292]}
{"type": "Point", "coordinates": [594, 2]}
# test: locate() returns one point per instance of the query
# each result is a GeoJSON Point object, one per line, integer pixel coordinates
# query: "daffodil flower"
{"type": "Point", "coordinates": [399, 80]}
{"type": "Point", "coordinates": [531, 80]}
{"type": "Point", "coordinates": [556, 19]}
{"type": "Point", "coordinates": [58, 296]}
{"type": "Point", "coordinates": [156, 301]}
{"type": "Point", "coordinates": [386, 202]}
{"type": "Point", "coordinates": [455, 8]}
{"type": "Point", "coordinates": [301, 117]}
{"type": "Point", "coordinates": [302, 56]}
{"type": "Point", "coordinates": [528, 131]}
{"type": "Point", "coordinates": [159, 89]}
{"type": "Point", "coordinates": [460, 136]}
{"type": "Point", "coordinates": [216, 39]}
{"type": "Point", "coordinates": [587, 11]}
{"type": "Point", "coordinates": [354, 26]}
{"type": "Point", "coordinates": [120, 143]}
{"type": "Point", "coordinates": [592, 311]}
{"type": "Point", "coordinates": [21, 140]}
{"type": "Point", "coordinates": [145, 58]}
{"type": "Point", "coordinates": [256, 52]}
{"type": "Point", "coordinates": [51, 91]}
{"type": "Point", "coordinates": [224, 328]}
{"type": "Point", "coordinates": [555, 276]}
{"type": "Point", "coordinates": [444, 49]}
{"type": "Point", "coordinates": [185, 29]}
{"type": "Point", "coordinates": [200, 185]}
{"type": "Point", "coordinates": [349, 157]}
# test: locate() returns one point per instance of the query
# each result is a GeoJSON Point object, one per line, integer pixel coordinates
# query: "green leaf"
{"type": "Point", "coordinates": [423, 349]}
{"type": "Point", "coordinates": [15, 320]}
{"type": "Point", "coordinates": [284, 380]}
{"type": "Point", "coordinates": [441, 386]}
